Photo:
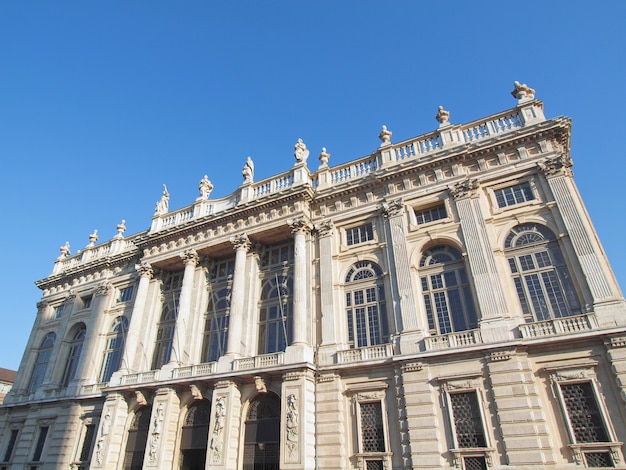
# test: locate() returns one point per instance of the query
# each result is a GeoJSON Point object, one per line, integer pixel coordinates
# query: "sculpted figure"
{"type": "Point", "coordinates": [205, 188]}
{"type": "Point", "coordinates": [300, 151]}
{"type": "Point", "coordinates": [163, 204]}
{"type": "Point", "coordinates": [248, 171]}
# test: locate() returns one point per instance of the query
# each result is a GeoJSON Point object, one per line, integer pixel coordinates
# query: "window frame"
{"type": "Point", "coordinates": [572, 374]}
{"type": "Point", "coordinates": [530, 182]}
{"type": "Point", "coordinates": [364, 223]}
{"type": "Point", "coordinates": [75, 348]}
{"type": "Point", "coordinates": [417, 210]}
{"type": "Point", "coordinates": [117, 333]}
{"type": "Point", "coordinates": [37, 370]}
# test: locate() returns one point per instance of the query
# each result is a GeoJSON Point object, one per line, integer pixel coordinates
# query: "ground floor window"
{"type": "Point", "coordinates": [262, 434]}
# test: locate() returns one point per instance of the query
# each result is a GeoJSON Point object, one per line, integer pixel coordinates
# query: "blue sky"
{"type": "Point", "coordinates": [103, 102]}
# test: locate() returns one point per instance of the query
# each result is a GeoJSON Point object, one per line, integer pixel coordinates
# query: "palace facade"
{"type": "Point", "coordinates": [441, 303]}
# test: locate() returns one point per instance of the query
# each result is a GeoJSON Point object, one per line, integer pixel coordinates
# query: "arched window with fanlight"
{"type": "Point", "coordinates": [447, 294]}
{"type": "Point", "coordinates": [541, 278]}
{"type": "Point", "coordinates": [275, 314]}
{"type": "Point", "coordinates": [366, 313]}
{"type": "Point", "coordinates": [73, 356]}
{"type": "Point", "coordinates": [41, 362]}
{"type": "Point", "coordinates": [114, 348]}
{"type": "Point", "coordinates": [216, 325]}
{"type": "Point", "coordinates": [195, 435]}
{"type": "Point", "coordinates": [165, 331]}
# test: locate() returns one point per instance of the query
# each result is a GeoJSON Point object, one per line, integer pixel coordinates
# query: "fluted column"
{"type": "Point", "coordinates": [327, 299]}
{"type": "Point", "coordinates": [241, 244]}
{"type": "Point", "coordinates": [180, 348]}
{"type": "Point", "coordinates": [90, 360]}
{"type": "Point", "coordinates": [137, 317]}
{"type": "Point", "coordinates": [300, 228]}
{"type": "Point", "coordinates": [405, 314]}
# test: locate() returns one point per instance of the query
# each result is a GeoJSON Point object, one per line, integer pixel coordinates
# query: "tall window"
{"type": "Point", "coordinates": [137, 439]}
{"type": "Point", "coordinates": [275, 316]}
{"type": "Point", "coordinates": [73, 357]}
{"type": "Point", "coordinates": [41, 362]}
{"type": "Point", "coordinates": [446, 290]}
{"type": "Point", "coordinates": [41, 441]}
{"type": "Point", "coordinates": [195, 435]}
{"type": "Point", "coordinates": [87, 447]}
{"type": "Point", "coordinates": [216, 326]}
{"type": "Point", "coordinates": [11, 445]}
{"type": "Point", "coordinates": [541, 278]}
{"type": "Point", "coordinates": [165, 332]}
{"type": "Point", "coordinates": [262, 434]}
{"type": "Point", "coordinates": [365, 306]}
{"type": "Point", "coordinates": [114, 348]}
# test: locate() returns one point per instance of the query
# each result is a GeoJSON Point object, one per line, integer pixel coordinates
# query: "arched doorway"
{"type": "Point", "coordinates": [195, 434]}
{"type": "Point", "coordinates": [137, 439]}
{"type": "Point", "coordinates": [262, 435]}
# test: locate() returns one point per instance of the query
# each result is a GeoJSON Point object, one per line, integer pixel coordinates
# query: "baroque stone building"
{"type": "Point", "coordinates": [443, 302]}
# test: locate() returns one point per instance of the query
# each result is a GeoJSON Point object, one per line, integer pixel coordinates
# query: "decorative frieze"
{"type": "Point", "coordinates": [556, 166]}
{"type": "Point", "coordinates": [464, 189]}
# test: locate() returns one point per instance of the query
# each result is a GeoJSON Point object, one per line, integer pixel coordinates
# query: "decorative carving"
{"type": "Point", "coordinates": [299, 225]}
{"type": "Point", "coordinates": [144, 269]}
{"type": "Point", "coordinates": [571, 374]}
{"type": "Point", "coordinates": [162, 205]}
{"type": "Point", "coordinates": [523, 92]}
{"type": "Point", "coordinates": [464, 189]}
{"type": "Point", "coordinates": [240, 242]}
{"type": "Point", "coordinates": [141, 398]}
{"type": "Point", "coordinates": [190, 256]}
{"type": "Point", "coordinates": [325, 228]}
{"type": "Point", "coordinates": [157, 427]}
{"type": "Point", "coordinates": [104, 433]}
{"type": "Point", "coordinates": [617, 341]}
{"type": "Point", "coordinates": [205, 188]}
{"type": "Point", "coordinates": [121, 228]}
{"type": "Point", "coordinates": [442, 116]}
{"type": "Point", "coordinates": [292, 427]}
{"type": "Point", "coordinates": [196, 393]}
{"type": "Point", "coordinates": [103, 288]}
{"type": "Point", "coordinates": [385, 136]}
{"type": "Point", "coordinates": [392, 208]}
{"type": "Point", "coordinates": [217, 435]}
{"type": "Point", "coordinates": [65, 250]}
{"type": "Point", "coordinates": [259, 383]}
{"type": "Point", "coordinates": [497, 356]}
{"type": "Point", "coordinates": [248, 171]}
{"type": "Point", "coordinates": [300, 152]}
{"type": "Point", "coordinates": [324, 157]}
{"type": "Point", "coordinates": [413, 367]}
{"type": "Point", "coordinates": [557, 166]}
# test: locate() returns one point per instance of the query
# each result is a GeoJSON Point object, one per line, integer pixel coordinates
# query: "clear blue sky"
{"type": "Point", "coordinates": [103, 102]}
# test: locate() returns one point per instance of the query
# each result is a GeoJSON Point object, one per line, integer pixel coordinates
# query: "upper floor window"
{"type": "Point", "coordinates": [114, 348]}
{"type": "Point", "coordinates": [360, 234]}
{"type": "Point", "coordinates": [542, 281]}
{"type": "Point", "coordinates": [365, 306]}
{"type": "Point", "coordinates": [275, 314]}
{"type": "Point", "coordinates": [446, 290]}
{"type": "Point", "coordinates": [58, 311]}
{"type": "Point", "coordinates": [126, 294]}
{"type": "Point", "coordinates": [73, 357]}
{"type": "Point", "coordinates": [431, 214]}
{"type": "Point", "coordinates": [513, 195]}
{"type": "Point", "coordinates": [41, 362]}
{"type": "Point", "coordinates": [165, 330]}
{"type": "Point", "coordinates": [216, 326]}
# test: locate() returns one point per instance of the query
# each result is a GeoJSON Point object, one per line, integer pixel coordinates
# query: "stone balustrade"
{"type": "Point", "coordinates": [265, 360]}
{"type": "Point", "coordinates": [453, 340]}
{"type": "Point", "coordinates": [197, 370]}
{"type": "Point", "coordinates": [381, 351]}
{"type": "Point", "coordinates": [559, 326]}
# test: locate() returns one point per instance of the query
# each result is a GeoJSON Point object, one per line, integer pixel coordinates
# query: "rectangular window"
{"type": "Point", "coordinates": [85, 453]}
{"type": "Point", "coordinates": [584, 413]}
{"type": "Point", "coordinates": [468, 423]}
{"type": "Point", "coordinates": [513, 195]}
{"type": "Point", "coordinates": [431, 214]}
{"type": "Point", "coordinates": [126, 294]}
{"type": "Point", "coordinates": [359, 234]}
{"type": "Point", "coordinates": [372, 432]}
{"type": "Point", "coordinates": [87, 301]}
{"type": "Point", "coordinates": [41, 440]}
{"type": "Point", "coordinates": [11, 445]}
{"type": "Point", "coordinates": [58, 311]}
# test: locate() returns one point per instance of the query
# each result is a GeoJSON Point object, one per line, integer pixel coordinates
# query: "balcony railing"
{"type": "Point", "coordinates": [559, 326]}
{"type": "Point", "coordinates": [266, 360]}
{"type": "Point", "coordinates": [453, 340]}
{"type": "Point", "coordinates": [140, 377]}
{"type": "Point", "coordinates": [368, 353]}
{"type": "Point", "coordinates": [195, 370]}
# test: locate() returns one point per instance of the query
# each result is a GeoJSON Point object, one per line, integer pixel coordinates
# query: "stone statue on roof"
{"type": "Point", "coordinates": [205, 188]}
{"type": "Point", "coordinates": [300, 152]}
{"type": "Point", "coordinates": [523, 92]}
{"type": "Point", "coordinates": [163, 204]}
{"type": "Point", "coordinates": [248, 171]}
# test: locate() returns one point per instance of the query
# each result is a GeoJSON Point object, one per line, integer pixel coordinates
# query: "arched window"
{"type": "Point", "coordinates": [137, 439]}
{"type": "Point", "coordinates": [541, 278]}
{"type": "Point", "coordinates": [365, 306]}
{"type": "Point", "coordinates": [41, 362]}
{"type": "Point", "coordinates": [73, 357]}
{"type": "Point", "coordinates": [262, 434]}
{"type": "Point", "coordinates": [216, 326]}
{"type": "Point", "coordinates": [195, 435]}
{"type": "Point", "coordinates": [165, 333]}
{"type": "Point", "coordinates": [447, 294]}
{"type": "Point", "coordinates": [114, 348]}
{"type": "Point", "coordinates": [275, 314]}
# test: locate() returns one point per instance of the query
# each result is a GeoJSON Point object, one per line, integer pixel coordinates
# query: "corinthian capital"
{"type": "Point", "coordinates": [240, 241]}
{"type": "Point", "coordinates": [464, 189]}
{"type": "Point", "coordinates": [190, 256]}
{"type": "Point", "coordinates": [556, 166]}
{"type": "Point", "coordinates": [144, 269]}
{"type": "Point", "coordinates": [300, 225]}
{"type": "Point", "coordinates": [325, 228]}
{"type": "Point", "coordinates": [391, 209]}
{"type": "Point", "coordinates": [104, 288]}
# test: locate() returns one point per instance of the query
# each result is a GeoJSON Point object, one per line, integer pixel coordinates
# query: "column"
{"type": "Point", "coordinates": [481, 262]}
{"type": "Point", "coordinates": [300, 228]}
{"type": "Point", "coordinates": [111, 432]}
{"type": "Point", "coordinates": [225, 426]}
{"type": "Point", "coordinates": [600, 280]}
{"type": "Point", "coordinates": [180, 346]}
{"type": "Point", "coordinates": [241, 244]}
{"type": "Point", "coordinates": [330, 328]}
{"type": "Point", "coordinates": [131, 346]}
{"type": "Point", "coordinates": [90, 359]}
{"type": "Point", "coordinates": [298, 420]}
{"type": "Point", "coordinates": [405, 311]}
{"type": "Point", "coordinates": [163, 429]}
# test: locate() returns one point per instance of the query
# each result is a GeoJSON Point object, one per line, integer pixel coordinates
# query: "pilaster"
{"type": "Point", "coordinates": [225, 426]}
{"type": "Point", "coordinates": [298, 420]}
{"type": "Point", "coordinates": [331, 426]}
{"type": "Point", "coordinates": [525, 433]}
{"type": "Point", "coordinates": [616, 351]}
{"type": "Point", "coordinates": [329, 326]}
{"type": "Point", "coordinates": [107, 450]}
{"type": "Point", "coordinates": [163, 430]}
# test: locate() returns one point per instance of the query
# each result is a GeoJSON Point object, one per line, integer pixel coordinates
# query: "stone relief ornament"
{"type": "Point", "coordinates": [292, 427]}
{"type": "Point", "coordinates": [248, 171]}
{"type": "Point", "coordinates": [104, 433]}
{"type": "Point", "coordinates": [392, 208]}
{"type": "Point", "coordinates": [163, 204]}
{"type": "Point", "coordinates": [523, 92]}
{"type": "Point", "coordinates": [442, 116]}
{"type": "Point", "coordinates": [556, 166]}
{"type": "Point", "coordinates": [217, 435]}
{"type": "Point", "coordinates": [157, 426]}
{"type": "Point", "coordinates": [385, 136]}
{"type": "Point", "coordinates": [144, 269]}
{"type": "Point", "coordinates": [205, 188]}
{"type": "Point", "coordinates": [259, 384]}
{"type": "Point", "coordinates": [300, 152]}
{"type": "Point", "coordinates": [464, 189]}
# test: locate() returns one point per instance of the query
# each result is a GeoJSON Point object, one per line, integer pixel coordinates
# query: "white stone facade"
{"type": "Point", "coordinates": [441, 303]}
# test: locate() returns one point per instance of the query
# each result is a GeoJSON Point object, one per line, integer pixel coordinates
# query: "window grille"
{"type": "Point", "coordinates": [467, 420]}
{"type": "Point", "coordinates": [583, 412]}
{"type": "Point", "coordinates": [372, 432]}
{"type": "Point", "coordinates": [474, 463]}
{"type": "Point", "coordinates": [599, 459]}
